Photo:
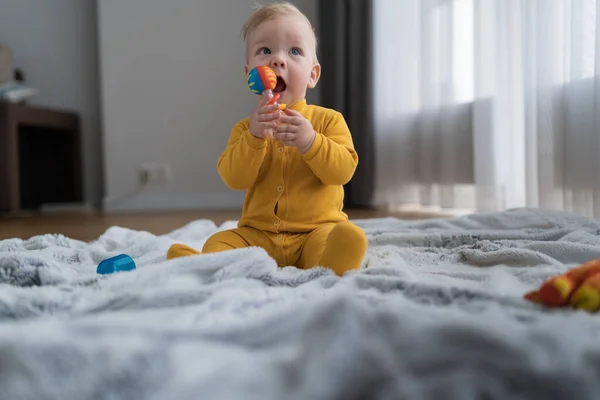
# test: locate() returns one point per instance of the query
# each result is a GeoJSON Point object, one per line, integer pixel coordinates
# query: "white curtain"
{"type": "Point", "coordinates": [488, 104]}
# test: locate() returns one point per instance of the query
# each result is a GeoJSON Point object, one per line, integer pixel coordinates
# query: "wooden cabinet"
{"type": "Point", "coordinates": [40, 157]}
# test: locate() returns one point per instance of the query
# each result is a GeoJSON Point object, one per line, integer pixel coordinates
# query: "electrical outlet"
{"type": "Point", "coordinates": [154, 173]}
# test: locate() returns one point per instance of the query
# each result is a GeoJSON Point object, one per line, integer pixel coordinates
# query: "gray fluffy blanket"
{"type": "Point", "coordinates": [436, 313]}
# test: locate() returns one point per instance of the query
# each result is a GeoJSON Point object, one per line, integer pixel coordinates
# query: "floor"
{"type": "Point", "coordinates": [88, 226]}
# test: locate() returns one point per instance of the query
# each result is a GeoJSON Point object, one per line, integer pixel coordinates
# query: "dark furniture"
{"type": "Point", "coordinates": [40, 157]}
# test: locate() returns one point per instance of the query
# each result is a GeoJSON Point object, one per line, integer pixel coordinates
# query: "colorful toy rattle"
{"type": "Point", "coordinates": [262, 79]}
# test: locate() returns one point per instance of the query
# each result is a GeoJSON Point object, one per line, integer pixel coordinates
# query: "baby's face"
{"type": "Point", "coordinates": [287, 45]}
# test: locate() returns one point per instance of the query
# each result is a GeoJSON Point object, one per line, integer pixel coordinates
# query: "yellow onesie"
{"type": "Point", "coordinates": [293, 205]}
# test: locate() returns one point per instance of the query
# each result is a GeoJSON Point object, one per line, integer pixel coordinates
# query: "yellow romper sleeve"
{"type": "Point", "coordinates": [332, 157]}
{"type": "Point", "coordinates": [241, 160]}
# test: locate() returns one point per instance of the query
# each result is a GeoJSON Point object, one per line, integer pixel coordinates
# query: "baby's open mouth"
{"type": "Point", "coordinates": [280, 86]}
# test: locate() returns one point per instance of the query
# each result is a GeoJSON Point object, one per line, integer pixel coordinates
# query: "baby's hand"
{"type": "Point", "coordinates": [295, 130]}
{"type": "Point", "coordinates": [264, 119]}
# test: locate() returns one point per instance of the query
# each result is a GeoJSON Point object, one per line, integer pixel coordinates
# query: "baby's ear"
{"type": "Point", "coordinates": [315, 74]}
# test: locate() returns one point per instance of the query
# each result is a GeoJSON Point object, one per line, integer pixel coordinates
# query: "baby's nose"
{"type": "Point", "coordinates": [278, 62]}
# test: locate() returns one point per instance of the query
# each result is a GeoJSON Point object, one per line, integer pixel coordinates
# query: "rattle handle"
{"type": "Point", "coordinates": [274, 99]}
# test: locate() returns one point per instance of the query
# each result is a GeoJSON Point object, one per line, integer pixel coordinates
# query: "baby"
{"type": "Point", "coordinates": [292, 163]}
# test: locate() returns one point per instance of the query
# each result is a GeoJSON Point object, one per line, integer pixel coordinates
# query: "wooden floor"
{"type": "Point", "coordinates": [88, 226]}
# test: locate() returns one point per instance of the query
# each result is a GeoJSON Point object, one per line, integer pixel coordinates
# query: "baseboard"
{"type": "Point", "coordinates": [67, 207]}
{"type": "Point", "coordinates": [176, 202]}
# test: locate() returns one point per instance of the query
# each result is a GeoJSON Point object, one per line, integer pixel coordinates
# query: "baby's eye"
{"type": "Point", "coordinates": [295, 51]}
{"type": "Point", "coordinates": [264, 50]}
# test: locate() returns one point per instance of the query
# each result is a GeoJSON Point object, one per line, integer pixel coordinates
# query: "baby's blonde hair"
{"type": "Point", "coordinates": [263, 13]}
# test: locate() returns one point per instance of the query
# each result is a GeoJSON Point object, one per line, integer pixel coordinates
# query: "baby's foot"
{"type": "Point", "coordinates": [180, 250]}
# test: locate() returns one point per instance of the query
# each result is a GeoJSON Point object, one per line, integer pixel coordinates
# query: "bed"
{"type": "Point", "coordinates": [437, 312]}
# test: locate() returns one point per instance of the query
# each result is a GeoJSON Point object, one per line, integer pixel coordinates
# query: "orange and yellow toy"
{"type": "Point", "coordinates": [263, 79]}
{"type": "Point", "coordinates": [578, 288]}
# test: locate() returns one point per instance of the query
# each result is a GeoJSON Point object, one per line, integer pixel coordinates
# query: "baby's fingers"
{"type": "Point", "coordinates": [267, 128]}
{"type": "Point", "coordinates": [267, 117]}
{"type": "Point", "coordinates": [268, 109]}
{"type": "Point", "coordinates": [291, 120]}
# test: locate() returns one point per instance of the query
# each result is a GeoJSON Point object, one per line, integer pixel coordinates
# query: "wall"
{"type": "Point", "coordinates": [55, 43]}
{"type": "Point", "coordinates": [173, 85]}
